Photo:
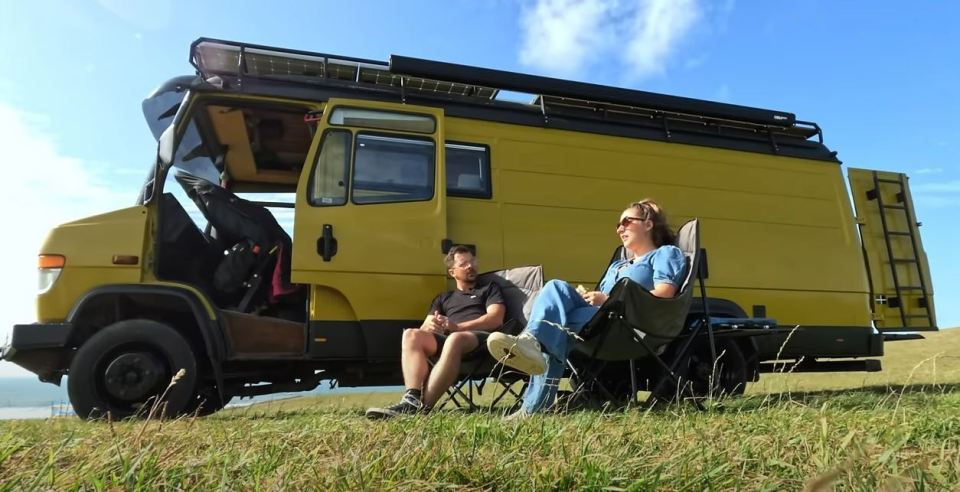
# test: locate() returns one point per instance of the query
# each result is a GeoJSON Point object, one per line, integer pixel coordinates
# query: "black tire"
{"type": "Point", "coordinates": [206, 401]}
{"type": "Point", "coordinates": [122, 369]}
{"type": "Point", "coordinates": [729, 377]}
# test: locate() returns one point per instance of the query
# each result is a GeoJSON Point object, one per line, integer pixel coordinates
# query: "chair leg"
{"type": "Point", "coordinates": [670, 373]}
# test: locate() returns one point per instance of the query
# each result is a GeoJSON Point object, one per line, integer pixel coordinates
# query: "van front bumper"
{"type": "Point", "coordinates": [41, 348]}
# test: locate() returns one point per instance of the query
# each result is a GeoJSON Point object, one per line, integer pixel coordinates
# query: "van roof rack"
{"type": "Point", "coordinates": [433, 79]}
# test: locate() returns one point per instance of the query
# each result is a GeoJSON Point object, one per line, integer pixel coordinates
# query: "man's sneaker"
{"type": "Point", "coordinates": [519, 352]}
{"type": "Point", "coordinates": [408, 406]}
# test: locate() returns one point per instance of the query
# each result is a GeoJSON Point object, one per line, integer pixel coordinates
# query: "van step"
{"type": "Point", "coordinates": [861, 365]}
{"type": "Point", "coordinates": [899, 337]}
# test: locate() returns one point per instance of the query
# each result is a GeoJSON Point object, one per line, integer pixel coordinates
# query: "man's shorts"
{"type": "Point", "coordinates": [481, 347]}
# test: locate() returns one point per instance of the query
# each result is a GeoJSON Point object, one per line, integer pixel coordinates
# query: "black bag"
{"type": "Point", "coordinates": [235, 268]}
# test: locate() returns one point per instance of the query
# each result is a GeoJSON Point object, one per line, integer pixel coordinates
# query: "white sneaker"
{"type": "Point", "coordinates": [520, 414]}
{"type": "Point", "coordinates": [519, 352]}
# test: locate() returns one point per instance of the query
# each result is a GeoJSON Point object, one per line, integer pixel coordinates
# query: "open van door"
{"type": "Point", "coordinates": [370, 225]}
{"type": "Point", "coordinates": [900, 288]}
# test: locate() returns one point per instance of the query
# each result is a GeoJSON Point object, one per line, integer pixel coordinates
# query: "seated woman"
{"type": "Point", "coordinates": [560, 311]}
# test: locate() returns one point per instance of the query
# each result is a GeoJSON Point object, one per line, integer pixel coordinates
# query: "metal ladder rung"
{"type": "Point", "coordinates": [888, 180]}
{"type": "Point", "coordinates": [910, 287]}
{"type": "Point", "coordinates": [895, 207]}
{"type": "Point", "coordinates": [916, 316]}
{"type": "Point", "coordinates": [904, 260]}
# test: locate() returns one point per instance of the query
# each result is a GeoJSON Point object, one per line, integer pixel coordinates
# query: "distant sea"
{"type": "Point", "coordinates": [28, 398]}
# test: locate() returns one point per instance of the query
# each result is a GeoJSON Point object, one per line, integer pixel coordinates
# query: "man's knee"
{"type": "Point", "coordinates": [460, 343]}
{"type": "Point", "coordinates": [415, 337]}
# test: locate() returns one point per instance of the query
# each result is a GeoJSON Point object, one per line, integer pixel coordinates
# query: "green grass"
{"type": "Point", "coordinates": [891, 430]}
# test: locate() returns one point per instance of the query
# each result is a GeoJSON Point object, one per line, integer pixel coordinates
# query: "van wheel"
{"type": "Point", "coordinates": [206, 401]}
{"type": "Point", "coordinates": [729, 375]}
{"type": "Point", "coordinates": [124, 368]}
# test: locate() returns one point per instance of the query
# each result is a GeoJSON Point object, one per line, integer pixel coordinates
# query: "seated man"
{"type": "Point", "coordinates": [458, 323]}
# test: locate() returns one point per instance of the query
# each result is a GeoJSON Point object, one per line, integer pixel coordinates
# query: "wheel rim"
{"type": "Point", "coordinates": [133, 376]}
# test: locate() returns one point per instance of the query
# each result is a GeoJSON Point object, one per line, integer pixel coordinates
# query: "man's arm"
{"type": "Point", "coordinates": [488, 322]}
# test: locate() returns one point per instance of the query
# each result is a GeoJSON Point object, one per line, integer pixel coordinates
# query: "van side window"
{"type": "Point", "coordinates": [393, 169]}
{"type": "Point", "coordinates": [328, 184]}
{"type": "Point", "coordinates": [468, 170]}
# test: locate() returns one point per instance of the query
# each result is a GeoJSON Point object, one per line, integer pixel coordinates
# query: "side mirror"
{"type": "Point", "coordinates": [165, 146]}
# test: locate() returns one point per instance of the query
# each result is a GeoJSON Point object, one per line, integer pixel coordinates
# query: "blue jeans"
{"type": "Point", "coordinates": [558, 312]}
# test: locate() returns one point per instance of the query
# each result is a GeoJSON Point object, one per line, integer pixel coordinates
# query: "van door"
{"type": "Point", "coordinates": [901, 292]}
{"type": "Point", "coordinates": [370, 224]}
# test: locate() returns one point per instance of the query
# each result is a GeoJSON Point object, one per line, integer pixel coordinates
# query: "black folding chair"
{"type": "Point", "coordinates": [634, 325]}
{"type": "Point", "coordinates": [520, 287]}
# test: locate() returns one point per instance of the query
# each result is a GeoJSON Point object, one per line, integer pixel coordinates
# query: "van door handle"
{"type": "Point", "coordinates": [327, 243]}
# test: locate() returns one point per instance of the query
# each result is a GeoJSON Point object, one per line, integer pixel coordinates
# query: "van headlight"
{"type": "Point", "coordinates": [50, 267]}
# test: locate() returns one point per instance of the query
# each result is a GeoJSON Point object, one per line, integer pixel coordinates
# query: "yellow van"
{"type": "Point", "coordinates": [300, 204]}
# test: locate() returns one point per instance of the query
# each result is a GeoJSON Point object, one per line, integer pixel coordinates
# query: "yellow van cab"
{"type": "Point", "coordinates": [301, 203]}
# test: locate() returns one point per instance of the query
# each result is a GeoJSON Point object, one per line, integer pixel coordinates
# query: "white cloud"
{"type": "Point", "coordinates": [559, 35]}
{"type": "Point", "coordinates": [942, 194]}
{"type": "Point", "coordinates": [929, 170]}
{"type": "Point", "coordinates": [938, 187]}
{"type": "Point", "coordinates": [659, 25]}
{"type": "Point", "coordinates": [723, 93]}
{"type": "Point", "coordinates": [695, 62]}
{"type": "Point", "coordinates": [564, 36]}
{"type": "Point", "coordinates": [44, 187]}
{"type": "Point", "coordinates": [148, 14]}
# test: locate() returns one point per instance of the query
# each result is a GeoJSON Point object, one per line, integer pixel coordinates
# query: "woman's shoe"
{"type": "Point", "coordinates": [520, 352]}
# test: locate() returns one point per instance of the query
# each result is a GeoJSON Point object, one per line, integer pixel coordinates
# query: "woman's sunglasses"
{"type": "Point", "coordinates": [626, 221]}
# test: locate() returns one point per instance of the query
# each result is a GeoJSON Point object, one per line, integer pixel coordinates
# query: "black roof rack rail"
{"type": "Point", "coordinates": [472, 92]}
{"type": "Point", "coordinates": [561, 88]}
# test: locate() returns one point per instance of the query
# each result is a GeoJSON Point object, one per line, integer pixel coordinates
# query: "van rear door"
{"type": "Point", "coordinates": [901, 292]}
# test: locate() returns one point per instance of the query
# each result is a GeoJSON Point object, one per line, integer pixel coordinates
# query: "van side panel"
{"type": "Point", "coordinates": [779, 232]}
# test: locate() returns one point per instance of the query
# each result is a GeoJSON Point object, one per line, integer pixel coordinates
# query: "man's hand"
{"type": "Point", "coordinates": [435, 323]}
{"type": "Point", "coordinates": [595, 298]}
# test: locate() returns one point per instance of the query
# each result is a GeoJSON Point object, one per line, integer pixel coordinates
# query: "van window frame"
{"type": "Point", "coordinates": [487, 193]}
{"type": "Point", "coordinates": [387, 134]}
{"type": "Point", "coordinates": [330, 122]}
{"type": "Point", "coordinates": [348, 169]}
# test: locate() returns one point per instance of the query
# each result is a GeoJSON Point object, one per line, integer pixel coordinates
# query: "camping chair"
{"type": "Point", "coordinates": [633, 324]}
{"type": "Point", "coordinates": [520, 287]}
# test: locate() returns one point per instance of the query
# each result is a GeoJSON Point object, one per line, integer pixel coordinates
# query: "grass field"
{"type": "Point", "coordinates": [896, 429]}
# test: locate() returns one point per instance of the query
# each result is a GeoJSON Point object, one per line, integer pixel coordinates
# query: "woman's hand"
{"type": "Point", "coordinates": [595, 298]}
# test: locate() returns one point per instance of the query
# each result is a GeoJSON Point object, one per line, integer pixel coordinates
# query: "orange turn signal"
{"type": "Point", "coordinates": [52, 261]}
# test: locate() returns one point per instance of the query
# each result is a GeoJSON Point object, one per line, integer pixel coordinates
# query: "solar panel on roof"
{"type": "Point", "coordinates": [223, 58]}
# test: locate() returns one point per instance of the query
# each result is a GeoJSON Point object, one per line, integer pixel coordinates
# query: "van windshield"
{"type": "Point", "coordinates": [194, 156]}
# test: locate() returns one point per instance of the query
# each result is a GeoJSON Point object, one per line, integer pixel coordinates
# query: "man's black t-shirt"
{"type": "Point", "coordinates": [462, 306]}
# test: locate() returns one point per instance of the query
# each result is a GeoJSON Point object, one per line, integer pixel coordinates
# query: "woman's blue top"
{"type": "Point", "coordinates": [664, 265]}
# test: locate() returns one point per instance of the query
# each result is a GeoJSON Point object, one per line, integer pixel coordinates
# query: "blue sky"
{"type": "Point", "coordinates": [880, 78]}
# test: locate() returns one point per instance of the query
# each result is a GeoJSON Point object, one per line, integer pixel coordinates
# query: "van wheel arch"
{"type": "Point", "coordinates": [179, 308]}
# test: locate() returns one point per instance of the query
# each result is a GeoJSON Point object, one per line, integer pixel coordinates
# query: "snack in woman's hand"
{"type": "Point", "coordinates": [581, 289]}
